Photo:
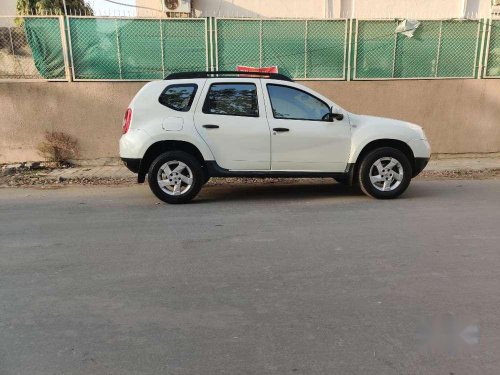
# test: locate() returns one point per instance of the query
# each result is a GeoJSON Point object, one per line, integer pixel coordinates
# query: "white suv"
{"type": "Point", "coordinates": [192, 126]}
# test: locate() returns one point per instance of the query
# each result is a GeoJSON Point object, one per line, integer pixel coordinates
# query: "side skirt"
{"type": "Point", "coordinates": [215, 170]}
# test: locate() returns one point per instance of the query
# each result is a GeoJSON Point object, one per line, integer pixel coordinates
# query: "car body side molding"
{"type": "Point", "coordinates": [215, 170]}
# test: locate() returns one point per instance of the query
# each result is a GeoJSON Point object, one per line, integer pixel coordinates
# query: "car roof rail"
{"type": "Point", "coordinates": [238, 74]}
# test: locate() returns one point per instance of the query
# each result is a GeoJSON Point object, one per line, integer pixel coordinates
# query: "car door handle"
{"type": "Point", "coordinates": [208, 126]}
{"type": "Point", "coordinates": [281, 129]}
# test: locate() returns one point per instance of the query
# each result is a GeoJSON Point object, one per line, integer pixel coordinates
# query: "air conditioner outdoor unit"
{"type": "Point", "coordinates": [177, 6]}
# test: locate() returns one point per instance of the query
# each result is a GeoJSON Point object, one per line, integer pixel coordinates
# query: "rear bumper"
{"type": "Point", "coordinates": [134, 165]}
{"type": "Point", "coordinates": [420, 164]}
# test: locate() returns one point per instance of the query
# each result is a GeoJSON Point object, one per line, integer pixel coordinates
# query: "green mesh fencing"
{"type": "Point", "coordinates": [375, 49]}
{"type": "Point", "coordinates": [326, 52]}
{"type": "Point", "coordinates": [31, 48]}
{"type": "Point", "coordinates": [300, 48]}
{"type": "Point", "coordinates": [140, 49]}
{"type": "Point", "coordinates": [438, 49]}
{"type": "Point", "coordinates": [493, 53]}
{"type": "Point", "coordinates": [136, 49]}
{"type": "Point", "coordinates": [417, 56]}
{"type": "Point", "coordinates": [105, 48]}
{"type": "Point", "coordinates": [283, 44]}
{"type": "Point", "coordinates": [459, 43]}
{"type": "Point", "coordinates": [238, 43]}
{"type": "Point", "coordinates": [94, 46]}
{"type": "Point", "coordinates": [185, 45]}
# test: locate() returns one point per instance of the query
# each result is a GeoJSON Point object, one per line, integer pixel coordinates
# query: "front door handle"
{"type": "Point", "coordinates": [208, 126]}
{"type": "Point", "coordinates": [281, 129]}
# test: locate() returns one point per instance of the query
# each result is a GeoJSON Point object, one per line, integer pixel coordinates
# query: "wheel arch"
{"type": "Point", "coordinates": [378, 143]}
{"type": "Point", "coordinates": [160, 147]}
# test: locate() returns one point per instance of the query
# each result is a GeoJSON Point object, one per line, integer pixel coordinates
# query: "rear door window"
{"type": "Point", "coordinates": [232, 99]}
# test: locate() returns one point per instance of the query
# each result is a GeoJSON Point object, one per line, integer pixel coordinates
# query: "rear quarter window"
{"type": "Point", "coordinates": [178, 97]}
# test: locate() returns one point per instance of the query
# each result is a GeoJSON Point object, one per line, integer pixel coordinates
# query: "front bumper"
{"type": "Point", "coordinates": [420, 164]}
{"type": "Point", "coordinates": [420, 147]}
{"type": "Point", "coordinates": [134, 165]}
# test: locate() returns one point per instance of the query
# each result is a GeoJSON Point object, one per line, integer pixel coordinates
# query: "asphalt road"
{"type": "Point", "coordinates": [261, 279]}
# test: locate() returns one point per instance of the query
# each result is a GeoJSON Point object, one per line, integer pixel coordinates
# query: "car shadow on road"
{"type": "Point", "coordinates": [307, 191]}
{"type": "Point", "coordinates": [276, 191]}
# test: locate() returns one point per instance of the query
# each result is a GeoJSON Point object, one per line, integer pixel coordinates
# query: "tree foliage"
{"type": "Point", "coordinates": [52, 6]}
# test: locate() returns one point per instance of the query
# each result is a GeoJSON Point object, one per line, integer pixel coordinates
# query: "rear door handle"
{"type": "Point", "coordinates": [281, 129]}
{"type": "Point", "coordinates": [208, 126]}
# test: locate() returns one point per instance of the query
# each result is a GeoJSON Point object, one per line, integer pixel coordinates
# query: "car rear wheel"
{"type": "Point", "coordinates": [385, 173]}
{"type": "Point", "coordinates": [175, 177]}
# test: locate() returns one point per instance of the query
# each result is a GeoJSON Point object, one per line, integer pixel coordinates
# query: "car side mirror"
{"type": "Point", "coordinates": [335, 114]}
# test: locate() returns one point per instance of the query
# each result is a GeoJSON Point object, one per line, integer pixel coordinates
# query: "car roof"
{"type": "Point", "coordinates": [228, 74]}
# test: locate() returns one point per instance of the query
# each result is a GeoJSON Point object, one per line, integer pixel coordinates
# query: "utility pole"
{"type": "Point", "coordinates": [64, 6]}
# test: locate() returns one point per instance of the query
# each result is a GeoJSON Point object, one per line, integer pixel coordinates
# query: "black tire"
{"type": "Point", "coordinates": [365, 169]}
{"type": "Point", "coordinates": [192, 163]}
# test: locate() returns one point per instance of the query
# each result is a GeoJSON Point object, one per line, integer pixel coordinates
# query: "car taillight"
{"type": "Point", "coordinates": [126, 120]}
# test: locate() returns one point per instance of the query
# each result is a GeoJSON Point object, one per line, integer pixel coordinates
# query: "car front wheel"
{"type": "Point", "coordinates": [175, 177]}
{"type": "Point", "coordinates": [385, 173]}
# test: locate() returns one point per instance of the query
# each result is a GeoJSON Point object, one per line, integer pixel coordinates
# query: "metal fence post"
{"type": "Point", "coordinates": [355, 59]}
{"type": "Point", "coordinates": [305, 51]}
{"type": "Point", "coordinates": [14, 52]}
{"type": "Point", "coordinates": [210, 43]}
{"type": "Point", "coordinates": [64, 42]}
{"type": "Point", "coordinates": [479, 50]}
{"type": "Point", "coordinates": [65, 9]}
{"type": "Point", "coordinates": [118, 48]}
{"type": "Point", "coordinates": [349, 49]}
{"type": "Point", "coordinates": [162, 52]}
{"type": "Point", "coordinates": [394, 53]}
{"type": "Point", "coordinates": [215, 36]}
{"type": "Point", "coordinates": [487, 38]}
{"type": "Point", "coordinates": [70, 49]}
{"type": "Point", "coordinates": [260, 44]}
{"type": "Point", "coordinates": [438, 48]}
{"type": "Point", "coordinates": [11, 42]}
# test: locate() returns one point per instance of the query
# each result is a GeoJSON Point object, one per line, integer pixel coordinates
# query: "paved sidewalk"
{"type": "Point", "coordinates": [108, 171]}
{"type": "Point", "coordinates": [476, 164]}
{"type": "Point", "coordinates": [120, 171]}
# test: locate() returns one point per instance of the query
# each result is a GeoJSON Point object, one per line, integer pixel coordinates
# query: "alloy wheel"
{"type": "Point", "coordinates": [175, 177]}
{"type": "Point", "coordinates": [386, 174]}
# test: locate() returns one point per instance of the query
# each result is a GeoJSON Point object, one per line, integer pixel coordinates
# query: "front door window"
{"type": "Point", "coordinates": [294, 104]}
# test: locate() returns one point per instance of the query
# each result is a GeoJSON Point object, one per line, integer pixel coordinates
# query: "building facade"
{"type": "Point", "coordinates": [7, 8]}
{"type": "Point", "coordinates": [418, 9]}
